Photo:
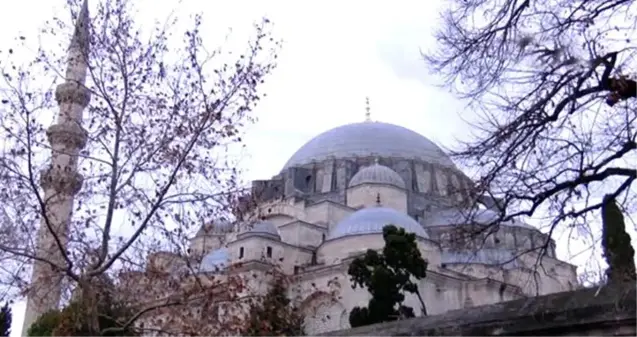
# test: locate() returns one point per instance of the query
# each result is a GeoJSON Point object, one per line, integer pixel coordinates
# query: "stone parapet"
{"type": "Point", "coordinates": [609, 310]}
{"type": "Point", "coordinates": [72, 135]}
{"type": "Point", "coordinates": [72, 92]}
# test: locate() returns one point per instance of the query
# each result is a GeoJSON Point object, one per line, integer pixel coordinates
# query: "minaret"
{"type": "Point", "coordinates": [61, 180]}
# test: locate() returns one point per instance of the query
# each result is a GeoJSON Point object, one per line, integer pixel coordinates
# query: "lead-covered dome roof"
{"type": "Point", "coordinates": [506, 259]}
{"type": "Point", "coordinates": [452, 217]}
{"type": "Point", "coordinates": [369, 139]}
{"type": "Point", "coordinates": [215, 261]}
{"type": "Point", "coordinates": [372, 220]}
{"type": "Point", "coordinates": [377, 174]}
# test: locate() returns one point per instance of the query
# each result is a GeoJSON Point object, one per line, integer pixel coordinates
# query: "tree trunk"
{"type": "Point", "coordinates": [89, 304]}
{"type": "Point", "coordinates": [423, 308]}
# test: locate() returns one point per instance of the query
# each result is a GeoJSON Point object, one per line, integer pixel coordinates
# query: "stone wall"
{"type": "Point", "coordinates": [592, 311]}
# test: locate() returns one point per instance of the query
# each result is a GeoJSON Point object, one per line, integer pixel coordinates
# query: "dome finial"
{"type": "Point", "coordinates": [376, 161]}
{"type": "Point", "coordinates": [368, 115]}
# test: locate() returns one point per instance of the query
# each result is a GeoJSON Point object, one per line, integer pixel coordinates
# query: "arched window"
{"type": "Point", "coordinates": [268, 251]}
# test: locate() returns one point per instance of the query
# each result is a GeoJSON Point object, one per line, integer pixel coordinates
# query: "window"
{"type": "Point", "coordinates": [503, 287]}
{"type": "Point", "coordinates": [241, 252]}
{"type": "Point", "coordinates": [323, 237]}
{"type": "Point", "coordinates": [268, 251]}
{"type": "Point", "coordinates": [297, 269]}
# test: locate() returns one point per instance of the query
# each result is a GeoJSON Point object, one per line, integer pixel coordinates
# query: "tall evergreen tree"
{"type": "Point", "coordinates": [274, 315]}
{"type": "Point", "coordinates": [387, 276]}
{"type": "Point", "coordinates": [5, 320]}
{"type": "Point", "coordinates": [618, 251]}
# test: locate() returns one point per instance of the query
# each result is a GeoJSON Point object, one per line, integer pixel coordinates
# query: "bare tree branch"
{"type": "Point", "coordinates": [551, 86]}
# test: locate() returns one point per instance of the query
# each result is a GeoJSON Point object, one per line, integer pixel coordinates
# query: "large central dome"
{"type": "Point", "coordinates": [369, 139]}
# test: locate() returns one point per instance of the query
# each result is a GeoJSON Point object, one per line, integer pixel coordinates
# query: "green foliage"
{"type": "Point", "coordinates": [387, 276]}
{"type": "Point", "coordinates": [45, 324]}
{"type": "Point", "coordinates": [5, 320]}
{"type": "Point", "coordinates": [74, 319]}
{"type": "Point", "coordinates": [274, 315]}
{"type": "Point", "coordinates": [618, 251]}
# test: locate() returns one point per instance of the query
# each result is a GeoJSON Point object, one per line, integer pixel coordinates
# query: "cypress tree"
{"type": "Point", "coordinates": [387, 276]}
{"type": "Point", "coordinates": [5, 320]}
{"type": "Point", "coordinates": [618, 251]}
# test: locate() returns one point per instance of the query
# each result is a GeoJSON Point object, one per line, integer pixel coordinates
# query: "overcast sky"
{"type": "Point", "coordinates": [335, 54]}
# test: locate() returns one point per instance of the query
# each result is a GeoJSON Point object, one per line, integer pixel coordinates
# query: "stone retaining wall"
{"type": "Point", "coordinates": [593, 311]}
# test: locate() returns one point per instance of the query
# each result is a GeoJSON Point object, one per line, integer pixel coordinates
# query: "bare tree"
{"type": "Point", "coordinates": [555, 95]}
{"type": "Point", "coordinates": [156, 163]}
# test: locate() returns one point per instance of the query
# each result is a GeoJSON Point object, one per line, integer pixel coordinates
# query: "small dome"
{"type": "Point", "coordinates": [377, 174]}
{"type": "Point", "coordinates": [215, 228]}
{"type": "Point", "coordinates": [263, 228]}
{"type": "Point", "coordinates": [372, 220]}
{"type": "Point", "coordinates": [454, 217]}
{"type": "Point", "coordinates": [215, 261]}
{"type": "Point", "coordinates": [493, 257]}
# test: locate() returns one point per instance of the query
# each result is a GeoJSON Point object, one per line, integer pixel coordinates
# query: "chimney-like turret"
{"type": "Point", "coordinates": [61, 180]}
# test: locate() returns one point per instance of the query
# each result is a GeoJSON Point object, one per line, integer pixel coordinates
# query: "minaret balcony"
{"type": "Point", "coordinates": [61, 180]}
{"type": "Point", "coordinates": [70, 134]}
{"type": "Point", "coordinates": [72, 92]}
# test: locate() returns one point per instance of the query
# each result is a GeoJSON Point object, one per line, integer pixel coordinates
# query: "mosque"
{"type": "Point", "coordinates": [328, 205]}
{"type": "Point", "coordinates": [330, 201]}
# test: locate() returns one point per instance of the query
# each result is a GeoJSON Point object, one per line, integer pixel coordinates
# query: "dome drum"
{"type": "Point", "coordinates": [372, 153]}
{"type": "Point", "coordinates": [264, 229]}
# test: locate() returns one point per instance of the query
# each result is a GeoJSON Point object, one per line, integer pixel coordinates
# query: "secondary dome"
{"type": "Point", "coordinates": [372, 220]}
{"type": "Point", "coordinates": [215, 228]}
{"type": "Point", "coordinates": [215, 261]}
{"type": "Point", "coordinates": [377, 174]}
{"type": "Point", "coordinates": [369, 139]}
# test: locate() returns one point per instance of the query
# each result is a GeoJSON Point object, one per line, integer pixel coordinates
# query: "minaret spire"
{"type": "Point", "coordinates": [368, 115]}
{"type": "Point", "coordinates": [61, 180]}
{"type": "Point", "coordinates": [79, 48]}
